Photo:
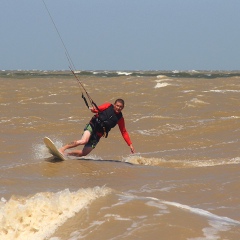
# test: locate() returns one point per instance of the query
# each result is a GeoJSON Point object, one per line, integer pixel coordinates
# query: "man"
{"type": "Point", "coordinates": [106, 118]}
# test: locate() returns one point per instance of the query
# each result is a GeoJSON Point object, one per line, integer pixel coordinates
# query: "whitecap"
{"type": "Point", "coordinates": [161, 85]}
{"type": "Point", "coordinates": [21, 219]}
{"type": "Point", "coordinates": [124, 73]}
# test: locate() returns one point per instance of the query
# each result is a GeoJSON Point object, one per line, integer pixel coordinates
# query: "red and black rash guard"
{"type": "Point", "coordinates": [121, 123]}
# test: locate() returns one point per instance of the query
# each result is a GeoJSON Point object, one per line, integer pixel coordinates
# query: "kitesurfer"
{"type": "Point", "coordinates": [106, 117]}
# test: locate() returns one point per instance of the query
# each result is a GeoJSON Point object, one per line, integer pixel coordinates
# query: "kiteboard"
{"type": "Point", "coordinates": [53, 149]}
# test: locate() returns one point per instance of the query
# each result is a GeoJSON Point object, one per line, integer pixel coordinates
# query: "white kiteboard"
{"type": "Point", "coordinates": [53, 149]}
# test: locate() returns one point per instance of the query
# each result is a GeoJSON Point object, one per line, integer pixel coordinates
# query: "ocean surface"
{"type": "Point", "coordinates": [183, 182]}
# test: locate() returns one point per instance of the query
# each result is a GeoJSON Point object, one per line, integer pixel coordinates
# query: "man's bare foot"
{"type": "Point", "coordinates": [76, 153]}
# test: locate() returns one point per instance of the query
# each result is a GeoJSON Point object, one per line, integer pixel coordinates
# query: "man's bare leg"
{"type": "Point", "coordinates": [80, 153]}
{"type": "Point", "coordinates": [85, 138]}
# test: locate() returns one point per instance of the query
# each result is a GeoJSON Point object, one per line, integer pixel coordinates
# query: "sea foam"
{"type": "Point", "coordinates": [37, 217]}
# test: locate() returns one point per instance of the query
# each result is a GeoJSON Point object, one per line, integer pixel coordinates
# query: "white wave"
{"type": "Point", "coordinates": [139, 160]}
{"type": "Point", "coordinates": [210, 163]}
{"type": "Point", "coordinates": [5, 120]}
{"type": "Point", "coordinates": [216, 223]}
{"type": "Point", "coordinates": [124, 73]}
{"type": "Point", "coordinates": [193, 71]}
{"type": "Point", "coordinates": [202, 212]}
{"type": "Point", "coordinates": [161, 76]}
{"type": "Point", "coordinates": [230, 117]}
{"type": "Point", "coordinates": [29, 100]}
{"type": "Point", "coordinates": [165, 129]}
{"type": "Point", "coordinates": [150, 132]}
{"type": "Point", "coordinates": [151, 116]}
{"type": "Point", "coordinates": [71, 119]}
{"type": "Point", "coordinates": [151, 161]}
{"type": "Point", "coordinates": [50, 103]}
{"type": "Point", "coordinates": [116, 217]}
{"type": "Point", "coordinates": [196, 100]}
{"type": "Point", "coordinates": [235, 160]}
{"type": "Point", "coordinates": [4, 104]}
{"type": "Point", "coordinates": [39, 216]}
{"type": "Point", "coordinates": [161, 204]}
{"type": "Point", "coordinates": [188, 91]}
{"type": "Point", "coordinates": [3, 200]}
{"type": "Point", "coordinates": [162, 81]}
{"type": "Point", "coordinates": [161, 85]}
{"type": "Point", "coordinates": [223, 91]}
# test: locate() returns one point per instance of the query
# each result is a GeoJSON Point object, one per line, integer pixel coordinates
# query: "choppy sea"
{"type": "Point", "coordinates": [183, 182]}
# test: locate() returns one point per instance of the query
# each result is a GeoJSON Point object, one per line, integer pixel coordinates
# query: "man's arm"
{"type": "Point", "coordinates": [121, 124]}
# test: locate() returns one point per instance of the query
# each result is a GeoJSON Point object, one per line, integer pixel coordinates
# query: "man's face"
{"type": "Point", "coordinates": [118, 107]}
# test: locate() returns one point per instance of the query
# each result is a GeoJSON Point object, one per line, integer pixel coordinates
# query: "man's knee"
{"type": "Point", "coordinates": [84, 141]}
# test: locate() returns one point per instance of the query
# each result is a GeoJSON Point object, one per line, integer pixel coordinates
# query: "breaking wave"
{"type": "Point", "coordinates": [139, 160]}
{"type": "Point", "coordinates": [37, 217]}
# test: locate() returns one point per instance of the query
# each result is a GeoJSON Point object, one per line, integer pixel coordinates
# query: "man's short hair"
{"type": "Point", "coordinates": [120, 100]}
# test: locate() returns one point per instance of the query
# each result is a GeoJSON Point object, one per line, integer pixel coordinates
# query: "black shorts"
{"type": "Point", "coordinates": [94, 138]}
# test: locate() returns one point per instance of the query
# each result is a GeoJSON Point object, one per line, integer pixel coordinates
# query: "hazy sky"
{"type": "Point", "coordinates": [121, 34]}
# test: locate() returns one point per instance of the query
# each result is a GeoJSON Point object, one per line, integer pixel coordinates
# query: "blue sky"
{"type": "Point", "coordinates": [121, 34]}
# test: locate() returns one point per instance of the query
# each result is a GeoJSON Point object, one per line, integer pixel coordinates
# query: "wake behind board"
{"type": "Point", "coordinates": [53, 149]}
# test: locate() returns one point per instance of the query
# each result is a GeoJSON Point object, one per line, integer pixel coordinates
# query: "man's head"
{"type": "Point", "coordinates": [118, 105]}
